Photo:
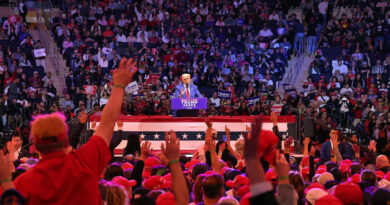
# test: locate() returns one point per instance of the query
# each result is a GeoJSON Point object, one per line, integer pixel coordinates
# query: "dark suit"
{"type": "Point", "coordinates": [71, 81]}
{"type": "Point", "coordinates": [325, 151]}
{"type": "Point", "coordinates": [24, 153]}
{"type": "Point", "coordinates": [13, 91]}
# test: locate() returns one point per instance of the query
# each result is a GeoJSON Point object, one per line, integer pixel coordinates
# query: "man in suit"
{"type": "Point", "coordinates": [187, 89]}
{"type": "Point", "coordinates": [15, 147]}
{"type": "Point", "coordinates": [327, 146]}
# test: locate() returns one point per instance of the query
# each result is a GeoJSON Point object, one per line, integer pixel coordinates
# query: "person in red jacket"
{"type": "Point", "coordinates": [70, 178]}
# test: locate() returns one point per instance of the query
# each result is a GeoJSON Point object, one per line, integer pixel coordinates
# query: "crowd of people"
{"type": "Point", "coordinates": [25, 88]}
{"type": "Point", "coordinates": [348, 81]}
{"type": "Point", "coordinates": [241, 47]}
{"type": "Point", "coordinates": [238, 49]}
{"type": "Point", "coordinates": [258, 170]}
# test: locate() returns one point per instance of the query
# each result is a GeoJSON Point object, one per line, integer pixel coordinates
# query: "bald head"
{"type": "Point", "coordinates": [382, 161]}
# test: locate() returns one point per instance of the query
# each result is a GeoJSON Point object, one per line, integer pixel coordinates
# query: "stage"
{"type": "Point", "coordinates": [190, 130]}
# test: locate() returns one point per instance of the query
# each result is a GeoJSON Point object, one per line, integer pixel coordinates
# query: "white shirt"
{"type": "Point", "coordinates": [216, 101]}
{"type": "Point", "coordinates": [103, 63]}
{"type": "Point", "coordinates": [323, 99]}
{"type": "Point", "coordinates": [342, 68]}
{"type": "Point", "coordinates": [344, 90]}
{"type": "Point", "coordinates": [103, 101]}
{"type": "Point", "coordinates": [121, 38]}
{"type": "Point", "coordinates": [322, 7]}
{"type": "Point", "coordinates": [17, 152]}
{"type": "Point", "coordinates": [265, 33]}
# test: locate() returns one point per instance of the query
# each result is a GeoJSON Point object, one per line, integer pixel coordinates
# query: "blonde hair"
{"type": "Point", "coordinates": [48, 125]}
{"type": "Point", "coordinates": [115, 194]}
{"type": "Point", "coordinates": [240, 146]}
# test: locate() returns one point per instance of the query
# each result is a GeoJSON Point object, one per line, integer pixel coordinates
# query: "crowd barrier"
{"type": "Point", "coordinates": [190, 130]}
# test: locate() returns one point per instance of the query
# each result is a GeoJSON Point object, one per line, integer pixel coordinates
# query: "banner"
{"type": "Point", "coordinates": [13, 19]}
{"type": "Point", "coordinates": [189, 103]}
{"type": "Point", "coordinates": [191, 131]}
{"type": "Point", "coordinates": [224, 94]}
{"type": "Point", "coordinates": [132, 87]}
{"type": "Point", "coordinates": [252, 101]}
{"type": "Point", "coordinates": [106, 50]}
{"type": "Point", "coordinates": [152, 78]}
{"type": "Point", "coordinates": [39, 53]}
{"type": "Point", "coordinates": [90, 89]}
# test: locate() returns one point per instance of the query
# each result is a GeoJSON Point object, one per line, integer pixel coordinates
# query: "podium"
{"type": "Point", "coordinates": [188, 107]}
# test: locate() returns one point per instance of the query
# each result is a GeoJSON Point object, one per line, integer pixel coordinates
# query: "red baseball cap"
{"type": "Point", "coordinates": [191, 163]}
{"type": "Point", "coordinates": [124, 182]}
{"type": "Point", "coordinates": [349, 193]}
{"type": "Point", "coordinates": [243, 191]}
{"type": "Point", "coordinates": [379, 174]}
{"type": "Point", "coordinates": [245, 199]}
{"type": "Point", "coordinates": [270, 175]}
{"type": "Point", "coordinates": [238, 181]}
{"type": "Point", "coordinates": [328, 199]}
{"type": "Point", "coordinates": [166, 198]}
{"type": "Point", "coordinates": [267, 143]}
{"type": "Point", "coordinates": [155, 182]}
{"type": "Point", "coordinates": [149, 163]}
{"type": "Point", "coordinates": [127, 165]}
{"type": "Point", "coordinates": [314, 185]}
{"type": "Point", "coordinates": [354, 178]}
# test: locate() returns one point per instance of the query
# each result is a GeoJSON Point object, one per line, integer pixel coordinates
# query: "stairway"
{"type": "Point", "coordinates": [53, 61]}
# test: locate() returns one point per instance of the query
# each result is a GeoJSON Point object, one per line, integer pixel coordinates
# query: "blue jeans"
{"type": "Point", "coordinates": [312, 40]}
{"type": "Point", "coordinates": [298, 41]}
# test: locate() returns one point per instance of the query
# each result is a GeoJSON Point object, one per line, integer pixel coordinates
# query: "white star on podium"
{"type": "Point", "coordinates": [241, 136]}
{"type": "Point", "coordinates": [198, 136]}
{"type": "Point", "coordinates": [184, 136]}
{"type": "Point", "coordinates": [142, 135]}
{"type": "Point", "coordinates": [156, 136]}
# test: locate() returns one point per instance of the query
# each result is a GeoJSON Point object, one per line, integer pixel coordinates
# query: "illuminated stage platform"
{"type": "Point", "coordinates": [191, 130]}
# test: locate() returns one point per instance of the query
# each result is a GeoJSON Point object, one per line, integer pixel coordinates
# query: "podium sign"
{"type": "Point", "coordinates": [189, 103]}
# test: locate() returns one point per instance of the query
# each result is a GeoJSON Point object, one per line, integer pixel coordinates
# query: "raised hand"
{"type": "Point", "coordinates": [209, 123]}
{"type": "Point", "coordinates": [372, 146]}
{"type": "Point", "coordinates": [227, 130]}
{"type": "Point", "coordinates": [274, 118]}
{"type": "Point", "coordinates": [124, 74]}
{"type": "Point", "coordinates": [162, 158]}
{"type": "Point", "coordinates": [83, 117]}
{"type": "Point", "coordinates": [145, 149]}
{"type": "Point", "coordinates": [120, 124]}
{"type": "Point", "coordinates": [171, 149]}
{"type": "Point", "coordinates": [306, 142]}
{"type": "Point", "coordinates": [248, 129]}
{"type": "Point", "coordinates": [287, 144]}
{"type": "Point", "coordinates": [282, 168]}
{"type": "Point", "coordinates": [356, 149]}
{"type": "Point", "coordinates": [10, 146]}
{"type": "Point", "coordinates": [252, 143]}
{"type": "Point", "coordinates": [93, 124]}
{"type": "Point", "coordinates": [6, 167]}
{"type": "Point", "coordinates": [210, 145]}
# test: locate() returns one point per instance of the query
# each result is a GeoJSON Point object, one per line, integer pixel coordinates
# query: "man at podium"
{"type": "Point", "coordinates": [187, 89]}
